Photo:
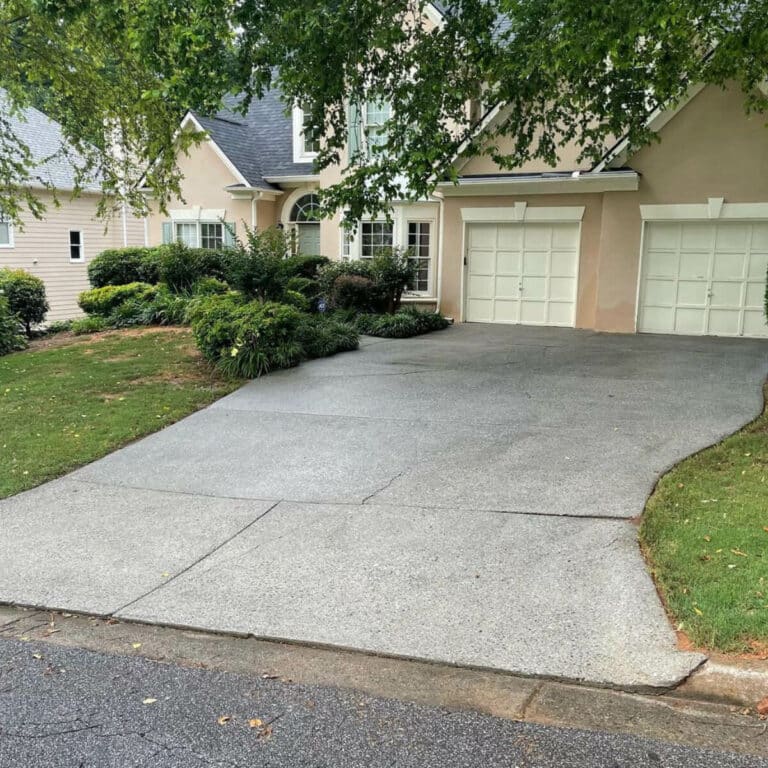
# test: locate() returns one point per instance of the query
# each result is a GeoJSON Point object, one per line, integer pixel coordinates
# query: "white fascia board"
{"type": "Point", "coordinates": [307, 178]}
{"type": "Point", "coordinates": [189, 119]}
{"type": "Point", "coordinates": [624, 181]}
{"type": "Point", "coordinates": [713, 210]}
{"type": "Point", "coordinates": [459, 160]}
{"type": "Point", "coordinates": [521, 212]}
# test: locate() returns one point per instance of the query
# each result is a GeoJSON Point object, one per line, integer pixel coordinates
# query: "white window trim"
{"type": "Point", "coordinates": [300, 155]}
{"type": "Point", "coordinates": [11, 236]}
{"type": "Point", "coordinates": [196, 213]}
{"type": "Point", "coordinates": [714, 209]}
{"type": "Point", "coordinates": [521, 212]}
{"type": "Point", "coordinates": [82, 246]}
{"type": "Point", "coordinates": [364, 125]}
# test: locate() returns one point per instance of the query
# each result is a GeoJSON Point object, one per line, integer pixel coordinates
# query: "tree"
{"type": "Point", "coordinates": [565, 71]}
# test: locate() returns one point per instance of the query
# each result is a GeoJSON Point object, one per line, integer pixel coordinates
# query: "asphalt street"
{"type": "Point", "coordinates": [72, 708]}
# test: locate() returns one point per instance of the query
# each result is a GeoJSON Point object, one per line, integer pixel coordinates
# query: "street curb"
{"type": "Point", "coordinates": [728, 681]}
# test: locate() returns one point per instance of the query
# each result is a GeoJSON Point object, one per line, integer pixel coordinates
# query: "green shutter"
{"type": "Point", "coordinates": [355, 130]}
{"type": "Point", "coordinates": [167, 232]}
{"type": "Point", "coordinates": [229, 233]}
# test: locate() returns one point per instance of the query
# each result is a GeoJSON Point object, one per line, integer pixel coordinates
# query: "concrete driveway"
{"type": "Point", "coordinates": [466, 497]}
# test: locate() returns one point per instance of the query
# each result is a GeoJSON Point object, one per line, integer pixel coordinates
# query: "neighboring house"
{"type": "Point", "coordinates": [59, 246]}
{"type": "Point", "coordinates": [670, 238]}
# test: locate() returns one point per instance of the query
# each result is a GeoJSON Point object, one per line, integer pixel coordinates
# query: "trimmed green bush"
{"type": "Point", "coordinates": [246, 339]}
{"type": "Point", "coordinates": [181, 267]}
{"type": "Point", "coordinates": [104, 301]}
{"type": "Point", "coordinates": [402, 324]}
{"type": "Point", "coordinates": [58, 326]}
{"type": "Point", "coordinates": [120, 266]}
{"type": "Point", "coordinates": [90, 324]}
{"type": "Point", "coordinates": [354, 292]}
{"type": "Point", "coordinates": [304, 266]}
{"type": "Point", "coordinates": [10, 338]}
{"type": "Point", "coordinates": [25, 295]}
{"type": "Point", "coordinates": [209, 286]}
{"type": "Point", "coordinates": [257, 269]}
{"type": "Point", "coordinates": [392, 271]}
{"type": "Point", "coordinates": [296, 299]}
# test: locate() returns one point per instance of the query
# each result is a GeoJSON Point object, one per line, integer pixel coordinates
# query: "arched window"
{"type": "Point", "coordinates": [306, 209]}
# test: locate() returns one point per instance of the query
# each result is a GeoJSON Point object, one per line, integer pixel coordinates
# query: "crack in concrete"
{"type": "Point", "coordinates": [383, 487]}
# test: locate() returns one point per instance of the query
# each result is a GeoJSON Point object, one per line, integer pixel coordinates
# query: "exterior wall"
{"type": "Point", "coordinates": [205, 176]}
{"type": "Point", "coordinates": [711, 148]}
{"type": "Point", "coordinates": [42, 247]}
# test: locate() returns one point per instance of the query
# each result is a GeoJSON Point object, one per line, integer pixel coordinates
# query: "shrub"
{"type": "Point", "coordinates": [170, 308]}
{"type": "Point", "coordinates": [328, 274]}
{"type": "Point", "coordinates": [304, 266]}
{"type": "Point", "coordinates": [209, 286]}
{"type": "Point", "coordinates": [10, 338]}
{"type": "Point", "coordinates": [103, 301]}
{"type": "Point", "coordinates": [182, 267]}
{"type": "Point", "coordinates": [296, 299]}
{"type": "Point", "coordinates": [257, 268]}
{"type": "Point", "coordinates": [119, 266]}
{"type": "Point", "coordinates": [58, 326]}
{"type": "Point", "coordinates": [391, 272]}
{"type": "Point", "coordinates": [354, 292]}
{"type": "Point", "coordinates": [25, 295]}
{"type": "Point", "coordinates": [402, 324]}
{"type": "Point", "coordinates": [90, 324]}
{"type": "Point", "coordinates": [322, 336]}
{"type": "Point", "coordinates": [246, 339]}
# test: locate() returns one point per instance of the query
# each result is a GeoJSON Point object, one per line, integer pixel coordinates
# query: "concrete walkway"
{"type": "Point", "coordinates": [465, 497]}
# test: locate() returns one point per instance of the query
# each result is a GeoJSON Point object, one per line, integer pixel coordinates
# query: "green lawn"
{"type": "Point", "coordinates": [705, 534]}
{"type": "Point", "coordinates": [72, 400]}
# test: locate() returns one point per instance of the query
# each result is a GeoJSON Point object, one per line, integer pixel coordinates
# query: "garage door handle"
{"type": "Point", "coordinates": [520, 286]}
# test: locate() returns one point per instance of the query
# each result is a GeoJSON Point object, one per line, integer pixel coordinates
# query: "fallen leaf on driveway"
{"type": "Point", "coordinates": [149, 701]}
{"type": "Point", "coordinates": [136, 645]}
{"type": "Point", "coordinates": [762, 707]}
{"type": "Point", "coordinates": [223, 719]}
{"type": "Point", "coordinates": [255, 722]}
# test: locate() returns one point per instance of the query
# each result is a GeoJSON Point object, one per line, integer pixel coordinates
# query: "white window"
{"type": "Point", "coordinates": [6, 232]}
{"type": "Point", "coordinates": [419, 244]}
{"type": "Point", "coordinates": [75, 245]}
{"type": "Point", "coordinates": [211, 235]}
{"type": "Point", "coordinates": [375, 117]}
{"type": "Point", "coordinates": [186, 232]}
{"type": "Point", "coordinates": [375, 237]}
{"type": "Point", "coordinates": [306, 143]}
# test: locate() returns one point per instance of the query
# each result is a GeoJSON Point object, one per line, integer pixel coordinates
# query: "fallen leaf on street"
{"type": "Point", "coordinates": [223, 719]}
{"type": "Point", "coordinates": [255, 722]}
{"type": "Point", "coordinates": [136, 645]}
{"type": "Point", "coordinates": [149, 701]}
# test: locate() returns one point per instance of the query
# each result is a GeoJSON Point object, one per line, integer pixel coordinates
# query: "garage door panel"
{"type": "Point", "coordinates": [729, 265]}
{"type": "Point", "coordinates": [755, 295]}
{"type": "Point", "coordinates": [482, 262]}
{"type": "Point", "coordinates": [714, 289]}
{"type": "Point", "coordinates": [758, 265]}
{"type": "Point", "coordinates": [508, 262]}
{"type": "Point", "coordinates": [523, 278]}
{"type": "Point", "coordinates": [663, 264]}
{"type": "Point", "coordinates": [732, 237]}
{"type": "Point", "coordinates": [691, 292]}
{"type": "Point", "coordinates": [563, 263]}
{"type": "Point", "coordinates": [727, 294]}
{"type": "Point", "coordinates": [507, 287]}
{"type": "Point", "coordinates": [482, 236]}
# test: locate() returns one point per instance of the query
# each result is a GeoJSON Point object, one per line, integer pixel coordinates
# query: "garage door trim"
{"type": "Point", "coordinates": [519, 213]}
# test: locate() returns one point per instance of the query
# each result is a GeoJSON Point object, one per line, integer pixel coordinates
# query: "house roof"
{"type": "Point", "coordinates": [54, 160]}
{"type": "Point", "coordinates": [258, 143]}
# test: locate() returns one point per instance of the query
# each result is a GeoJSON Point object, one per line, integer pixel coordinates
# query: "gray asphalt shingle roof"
{"type": "Point", "coordinates": [55, 162]}
{"type": "Point", "coordinates": [260, 142]}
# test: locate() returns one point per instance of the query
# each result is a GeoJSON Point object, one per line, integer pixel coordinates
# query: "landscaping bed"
{"type": "Point", "coordinates": [705, 536]}
{"type": "Point", "coordinates": [69, 400]}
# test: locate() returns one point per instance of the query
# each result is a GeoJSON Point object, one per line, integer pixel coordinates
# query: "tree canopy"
{"type": "Point", "coordinates": [121, 74]}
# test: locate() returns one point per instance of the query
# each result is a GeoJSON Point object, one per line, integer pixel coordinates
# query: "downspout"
{"type": "Point", "coordinates": [254, 210]}
{"type": "Point", "coordinates": [125, 227]}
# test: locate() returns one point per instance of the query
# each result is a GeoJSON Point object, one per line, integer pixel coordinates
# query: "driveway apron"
{"type": "Point", "coordinates": [467, 497]}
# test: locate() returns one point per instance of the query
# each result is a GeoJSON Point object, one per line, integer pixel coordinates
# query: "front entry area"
{"type": "Point", "coordinates": [523, 273]}
{"type": "Point", "coordinates": [704, 278]}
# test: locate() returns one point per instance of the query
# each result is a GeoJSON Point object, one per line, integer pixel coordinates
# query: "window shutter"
{"type": "Point", "coordinates": [355, 130]}
{"type": "Point", "coordinates": [229, 233]}
{"type": "Point", "coordinates": [167, 232]}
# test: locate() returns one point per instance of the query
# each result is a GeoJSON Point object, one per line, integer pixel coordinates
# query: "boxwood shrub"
{"type": "Point", "coordinates": [120, 266]}
{"type": "Point", "coordinates": [103, 301]}
{"type": "Point", "coordinates": [25, 295]}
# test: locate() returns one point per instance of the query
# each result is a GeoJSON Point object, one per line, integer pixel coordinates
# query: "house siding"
{"type": "Point", "coordinates": [41, 247]}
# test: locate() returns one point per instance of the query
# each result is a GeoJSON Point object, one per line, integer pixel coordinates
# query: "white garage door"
{"type": "Point", "coordinates": [522, 273]}
{"type": "Point", "coordinates": [704, 278]}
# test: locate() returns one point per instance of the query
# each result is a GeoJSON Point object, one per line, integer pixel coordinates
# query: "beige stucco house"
{"type": "Point", "coordinates": [58, 247]}
{"type": "Point", "coordinates": [669, 238]}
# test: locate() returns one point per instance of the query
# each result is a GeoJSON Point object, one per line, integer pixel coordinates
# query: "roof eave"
{"type": "Point", "coordinates": [577, 182]}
